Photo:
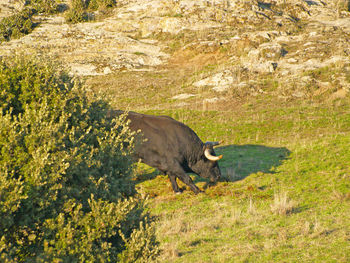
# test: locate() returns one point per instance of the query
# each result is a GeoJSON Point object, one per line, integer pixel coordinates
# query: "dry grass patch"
{"type": "Point", "coordinates": [236, 216]}
{"type": "Point", "coordinates": [251, 207]}
{"type": "Point", "coordinates": [282, 205]}
{"type": "Point", "coordinates": [196, 59]}
{"type": "Point", "coordinates": [314, 228]}
{"type": "Point", "coordinates": [336, 195]}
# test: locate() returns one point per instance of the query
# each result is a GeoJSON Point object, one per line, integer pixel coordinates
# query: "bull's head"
{"type": "Point", "coordinates": [207, 166]}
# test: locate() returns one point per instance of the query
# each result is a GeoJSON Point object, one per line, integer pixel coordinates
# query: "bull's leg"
{"type": "Point", "coordinates": [174, 183]}
{"type": "Point", "coordinates": [178, 171]}
{"type": "Point", "coordinates": [187, 180]}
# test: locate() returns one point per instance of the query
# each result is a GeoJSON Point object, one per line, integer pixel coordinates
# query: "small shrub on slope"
{"type": "Point", "coordinates": [66, 193]}
{"type": "Point", "coordinates": [101, 4]}
{"type": "Point", "coordinates": [77, 12]}
{"type": "Point", "coordinates": [80, 9]}
{"type": "Point", "coordinates": [17, 25]}
{"type": "Point", "coordinates": [44, 6]}
{"type": "Point", "coordinates": [21, 23]}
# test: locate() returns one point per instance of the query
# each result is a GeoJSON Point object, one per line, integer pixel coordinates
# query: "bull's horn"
{"type": "Point", "coordinates": [212, 143]}
{"type": "Point", "coordinates": [211, 157]}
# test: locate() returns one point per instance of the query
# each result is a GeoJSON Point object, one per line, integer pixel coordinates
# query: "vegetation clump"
{"type": "Point", "coordinates": [66, 193]}
{"type": "Point", "coordinates": [77, 12]}
{"type": "Point", "coordinates": [21, 23]}
{"type": "Point", "coordinates": [17, 25]}
{"type": "Point", "coordinates": [82, 10]}
{"type": "Point", "coordinates": [282, 205]}
{"type": "Point", "coordinates": [44, 6]}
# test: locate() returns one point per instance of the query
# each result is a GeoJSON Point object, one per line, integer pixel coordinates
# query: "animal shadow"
{"type": "Point", "coordinates": [242, 160]}
{"type": "Point", "coordinates": [239, 161]}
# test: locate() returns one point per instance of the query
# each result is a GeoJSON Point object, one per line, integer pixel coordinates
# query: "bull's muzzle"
{"type": "Point", "coordinates": [214, 179]}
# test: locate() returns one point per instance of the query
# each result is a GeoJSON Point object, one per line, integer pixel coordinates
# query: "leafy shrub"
{"type": "Point", "coordinates": [100, 4]}
{"type": "Point", "coordinates": [80, 10]}
{"type": "Point", "coordinates": [77, 12]}
{"type": "Point", "coordinates": [21, 23]}
{"type": "Point", "coordinates": [17, 25]}
{"type": "Point", "coordinates": [44, 6]}
{"type": "Point", "coordinates": [66, 193]}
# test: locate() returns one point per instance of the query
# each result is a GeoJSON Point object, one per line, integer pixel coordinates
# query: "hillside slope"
{"type": "Point", "coordinates": [277, 47]}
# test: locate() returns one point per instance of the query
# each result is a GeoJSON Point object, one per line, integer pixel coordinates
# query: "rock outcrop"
{"type": "Point", "coordinates": [287, 40]}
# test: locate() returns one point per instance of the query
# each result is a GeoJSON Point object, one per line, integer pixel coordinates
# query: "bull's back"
{"type": "Point", "coordinates": [160, 130]}
{"type": "Point", "coordinates": [150, 123]}
{"type": "Point", "coordinates": [163, 135]}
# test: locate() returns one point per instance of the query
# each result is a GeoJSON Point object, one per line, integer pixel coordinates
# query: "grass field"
{"type": "Point", "coordinates": [287, 198]}
{"type": "Point", "coordinates": [285, 191]}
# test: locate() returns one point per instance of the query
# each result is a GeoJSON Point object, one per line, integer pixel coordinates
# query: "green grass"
{"type": "Point", "coordinates": [300, 152]}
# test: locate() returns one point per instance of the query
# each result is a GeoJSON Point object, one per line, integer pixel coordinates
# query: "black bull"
{"type": "Point", "coordinates": [174, 149]}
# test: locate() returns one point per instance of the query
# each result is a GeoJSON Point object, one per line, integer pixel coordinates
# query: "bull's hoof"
{"type": "Point", "coordinates": [209, 184]}
{"type": "Point", "coordinates": [201, 192]}
{"type": "Point", "coordinates": [198, 191]}
{"type": "Point", "coordinates": [178, 191]}
{"type": "Point", "coordinates": [224, 179]}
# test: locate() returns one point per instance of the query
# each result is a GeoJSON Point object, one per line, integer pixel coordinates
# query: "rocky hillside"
{"type": "Point", "coordinates": [289, 49]}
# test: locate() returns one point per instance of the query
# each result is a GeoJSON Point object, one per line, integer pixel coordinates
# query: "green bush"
{"type": "Point", "coordinates": [80, 9]}
{"type": "Point", "coordinates": [77, 12]}
{"type": "Point", "coordinates": [44, 6]}
{"type": "Point", "coordinates": [21, 23]}
{"type": "Point", "coordinates": [17, 25]}
{"type": "Point", "coordinates": [66, 193]}
{"type": "Point", "coordinates": [100, 4]}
